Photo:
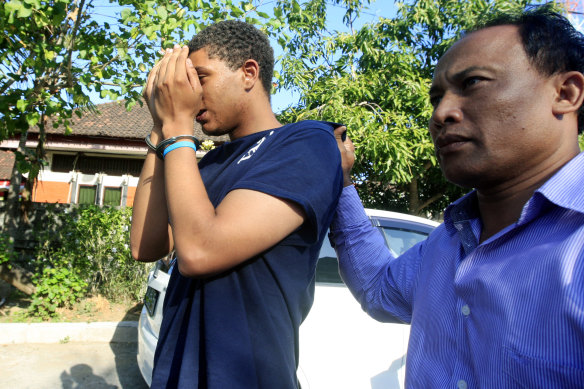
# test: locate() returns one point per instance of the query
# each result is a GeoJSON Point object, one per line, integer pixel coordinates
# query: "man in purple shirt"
{"type": "Point", "coordinates": [495, 295]}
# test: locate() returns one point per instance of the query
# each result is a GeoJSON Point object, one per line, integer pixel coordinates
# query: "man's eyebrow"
{"type": "Point", "coordinates": [200, 68]}
{"type": "Point", "coordinates": [464, 72]}
{"type": "Point", "coordinates": [458, 76]}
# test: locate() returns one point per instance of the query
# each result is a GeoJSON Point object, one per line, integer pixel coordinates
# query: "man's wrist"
{"type": "Point", "coordinates": [177, 128]}
{"type": "Point", "coordinates": [350, 209]}
{"type": "Point", "coordinates": [347, 181]}
{"type": "Point", "coordinates": [156, 133]}
{"type": "Point", "coordinates": [160, 148]}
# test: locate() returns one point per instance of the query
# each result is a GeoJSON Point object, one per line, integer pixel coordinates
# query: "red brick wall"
{"type": "Point", "coordinates": [131, 195]}
{"type": "Point", "coordinates": [58, 192]}
{"type": "Point", "coordinates": [51, 192]}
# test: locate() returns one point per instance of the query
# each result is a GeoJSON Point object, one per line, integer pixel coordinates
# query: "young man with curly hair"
{"type": "Point", "coordinates": [246, 223]}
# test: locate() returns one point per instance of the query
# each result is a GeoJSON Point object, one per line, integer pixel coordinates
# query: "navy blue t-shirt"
{"type": "Point", "coordinates": [240, 329]}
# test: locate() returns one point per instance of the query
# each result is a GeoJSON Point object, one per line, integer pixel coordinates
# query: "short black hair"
{"type": "Point", "coordinates": [234, 42]}
{"type": "Point", "coordinates": [550, 41]}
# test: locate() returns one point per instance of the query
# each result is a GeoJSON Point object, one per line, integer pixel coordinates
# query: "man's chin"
{"type": "Point", "coordinates": [467, 180]}
{"type": "Point", "coordinates": [210, 131]}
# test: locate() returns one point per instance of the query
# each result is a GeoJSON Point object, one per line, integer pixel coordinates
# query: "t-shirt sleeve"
{"type": "Point", "coordinates": [301, 164]}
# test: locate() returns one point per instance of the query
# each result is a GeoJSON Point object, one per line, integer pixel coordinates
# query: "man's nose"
{"type": "Point", "coordinates": [448, 111]}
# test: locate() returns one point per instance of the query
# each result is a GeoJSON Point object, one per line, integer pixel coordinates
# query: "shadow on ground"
{"type": "Point", "coordinates": [125, 357]}
{"type": "Point", "coordinates": [122, 372]}
{"type": "Point", "coordinates": [81, 376]}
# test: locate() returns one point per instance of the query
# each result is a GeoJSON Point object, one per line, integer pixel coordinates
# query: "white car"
{"type": "Point", "coordinates": [341, 347]}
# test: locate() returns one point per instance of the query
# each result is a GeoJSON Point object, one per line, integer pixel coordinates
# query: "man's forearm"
{"type": "Point", "coordinates": [349, 225]}
{"type": "Point", "coordinates": [210, 240]}
{"type": "Point", "coordinates": [149, 237]}
{"type": "Point", "coordinates": [363, 257]}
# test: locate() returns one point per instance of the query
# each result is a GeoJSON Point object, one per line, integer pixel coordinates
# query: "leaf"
{"type": "Point", "coordinates": [33, 118]}
{"type": "Point", "coordinates": [21, 105]}
{"type": "Point", "coordinates": [126, 14]}
{"type": "Point", "coordinates": [24, 12]}
{"type": "Point", "coordinates": [162, 12]}
{"type": "Point", "coordinates": [50, 55]}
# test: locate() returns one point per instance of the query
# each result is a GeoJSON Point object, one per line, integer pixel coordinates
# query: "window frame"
{"type": "Point", "coordinates": [80, 187]}
{"type": "Point", "coordinates": [118, 188]}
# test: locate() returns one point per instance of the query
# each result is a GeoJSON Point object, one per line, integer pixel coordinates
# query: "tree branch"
{"type": "Point", "coordinates": [78, 15]}
{"type": "Point", "coordinates": [12, 81]}
{"type": "Point", "coordinates": [18, 277]}
{"type": "Point", "coordinates": [429, 201]}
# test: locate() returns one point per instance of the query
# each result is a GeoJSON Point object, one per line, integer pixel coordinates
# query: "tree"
{"type": "Point", "coordinates": [376, 81]}
{"type": "Point", "coordinates": [54, 52]}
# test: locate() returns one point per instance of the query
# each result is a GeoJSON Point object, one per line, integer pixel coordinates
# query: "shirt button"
{"type": "Point", "coordinates": [461, 384]}
{"type": "Point", "coordinates": [465, 311]}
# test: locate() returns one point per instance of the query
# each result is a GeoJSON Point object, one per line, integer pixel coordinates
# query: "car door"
{"type": "Point", "coordinates": [342, 347]}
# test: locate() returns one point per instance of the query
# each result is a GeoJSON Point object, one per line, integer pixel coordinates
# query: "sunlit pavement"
{"type": "Point", "coordinates": [70, 365]}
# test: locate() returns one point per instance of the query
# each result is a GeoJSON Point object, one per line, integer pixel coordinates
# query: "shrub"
{"type": "Point", "coordinates": [6, 252]}
{"type": "Point", "coordinates": [57, 287]}
{"type": "Point", "coordinates": [85, 250]}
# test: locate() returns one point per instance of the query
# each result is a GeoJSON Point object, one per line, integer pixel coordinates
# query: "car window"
{"type": "Point", "coordinates": [327, 267]}
{"type": "Point", "coordinates": [398, 239]}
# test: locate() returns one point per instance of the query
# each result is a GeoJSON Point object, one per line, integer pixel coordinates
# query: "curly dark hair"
{"type": "Point", "coordinates": [550, 41]}
{"type": "Point", "coordinates": [235, 42]}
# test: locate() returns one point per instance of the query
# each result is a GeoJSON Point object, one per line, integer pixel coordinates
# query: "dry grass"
{"type": "Point", "coordinates": [91, 309]}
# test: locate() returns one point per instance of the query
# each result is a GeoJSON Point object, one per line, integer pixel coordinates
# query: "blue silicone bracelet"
{"type": "Point", "coordinates": [184, 143]}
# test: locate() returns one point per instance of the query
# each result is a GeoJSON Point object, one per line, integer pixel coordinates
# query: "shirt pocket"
{"type": "Point", "coordinates": [523, 371]}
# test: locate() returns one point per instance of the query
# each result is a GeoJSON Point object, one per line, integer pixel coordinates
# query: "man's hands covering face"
{"type": "Point", "coordinates": [173, 93]}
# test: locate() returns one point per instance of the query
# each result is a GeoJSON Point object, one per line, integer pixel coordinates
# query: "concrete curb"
{"type": "Point", "coordinates": [110, 332]}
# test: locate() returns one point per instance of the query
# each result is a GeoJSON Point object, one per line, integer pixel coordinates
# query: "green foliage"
{"type": "Point", "coordinates": [87, 253]}
{"type": "Point", "coordinates": [376, 79]}
{"type": "Point", "coordinates": [53, 53]}
{"type": "Point", "coordinates": [6, 252]}
{"type": "Point", "coordinates": [57, 287]}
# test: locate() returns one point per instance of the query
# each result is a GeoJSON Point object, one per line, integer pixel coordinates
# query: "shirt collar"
{"type": "Point", "coordinates": [564, 189]}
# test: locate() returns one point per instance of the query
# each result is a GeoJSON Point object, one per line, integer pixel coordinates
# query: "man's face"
{"type": "Point", "coordinates": [492, 111]}
{"type": "Point", "coordinates": [222, 94]}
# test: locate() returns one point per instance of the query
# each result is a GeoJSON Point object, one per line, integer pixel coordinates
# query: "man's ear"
{"type": "Point", "coordinates": [570, 93]}
{"type": "Point", "coordinates": [251, 73]}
